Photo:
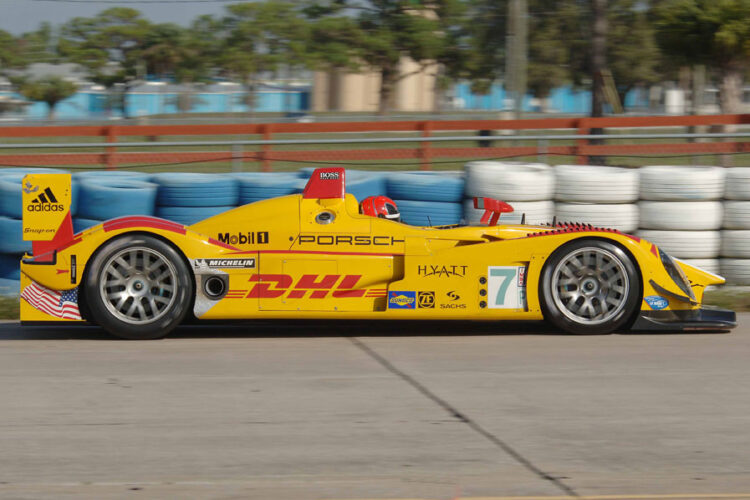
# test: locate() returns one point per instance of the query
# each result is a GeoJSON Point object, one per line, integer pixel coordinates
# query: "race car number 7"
{"type": "Point", "coordinates": [506, 287]}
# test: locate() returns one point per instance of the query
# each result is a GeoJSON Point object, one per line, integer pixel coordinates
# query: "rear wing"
{"type": "Point", "coordinates": [47, 221]}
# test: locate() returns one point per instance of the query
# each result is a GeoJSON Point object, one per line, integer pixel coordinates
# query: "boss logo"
{"type": "Point", "coordinates": [329, 176]}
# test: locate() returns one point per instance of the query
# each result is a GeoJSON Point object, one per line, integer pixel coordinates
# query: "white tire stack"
{"type": "Point", "coordinates": [527, 187]}
{"type": "Point", "coordinates": [735, 238]}
{"type": "Point", "coordinates": [537, 212]}
{"type": "Point", "coordinates": [680, 211]}
{"type": "Point", "coordinates": [600, 196]}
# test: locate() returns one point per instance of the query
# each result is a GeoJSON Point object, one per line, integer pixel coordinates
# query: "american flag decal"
{"type": "Point", "coordinates": [53, 302]}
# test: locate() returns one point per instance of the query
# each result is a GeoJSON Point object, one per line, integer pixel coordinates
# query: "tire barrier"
{"type": "Point", "coordinates": [196, 190]}
{"type": "Point", "coordinates": [9, 266]}
{"type": "Point", "coordinates": [108, 175]}
{"type": "Point", "coordinates": [537, 212]}
{"type": "Point", "coordinates": [81, 224]}
{"type": "Point", "coordinates": [510, 181]}
{"type": "Point", "coordinates": [105, 199]}
{"type": "Point", "coordinates": [189, 215]}
{"type": "Point", "coordinates": [736, 271]}
{"type": "Point", "coordinates": [10, 287]}
{"type": "Point", "coordinates": [736, 214]}
{"type": "Point", "coordinates": [623, 217]}
{"type": "Point", "coordinates": [678, 208]}
{"type": "Point", "coordinates": [670, 183]}
{"type": "Point", "coordinates": [685, 244]}
{"type": "Point", "coordinates": [735, 243]}
{"type": "Point", "coordinates": [419, 187]}
{"type": "Point", "coordinates": [681, 215]}
{"type": "Point", "coordinates": [369, 184]}
{"type": "Point", "coordinates": [256, 186]}
{"type": "Point", "coordinates": [429, 213]}
{"type": "Point", "coordinates": [737, 184]}
{"type": "Point", "coordinates": [710, 265]}
{"type": "Point", "coordinates": [12, 241]}
{"type": "Point", "coordinates": [594, 184]}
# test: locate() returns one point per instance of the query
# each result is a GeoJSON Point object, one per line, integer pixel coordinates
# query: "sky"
{"type": "Point", "coordinates": [19, 16]}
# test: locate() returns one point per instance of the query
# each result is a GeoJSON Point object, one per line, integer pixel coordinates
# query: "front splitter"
{"type": "Point", "coordinates": [705, 318]}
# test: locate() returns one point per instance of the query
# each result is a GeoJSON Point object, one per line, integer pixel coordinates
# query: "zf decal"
{"type": "Point", "coordinates": [224, 264]}
{"type": "Point", "coordinates": [341, 239]}
{"type": "Point", "coordinates": [402, 300]}
{"type": "Point", "coordinates": [426, 300]}
{"type": "Point", "coordinates": [273, 286]}
{"type": "Point", "coordinates": [442, 271]}
{"type": "Point", "coordinates": [249, 238]}
{"type": "Point", "coordinates": [506, 287]}
{"type": "Point", "coordinates": [453, 304]}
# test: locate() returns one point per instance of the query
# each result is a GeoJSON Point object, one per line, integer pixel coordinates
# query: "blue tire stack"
{"type": "Point", "coordinates": [428, 199]}
{"type": "Point", "coordinates": [105, 195]}
{"type": "Point", "coordinates": [12, 245]}
{"type": "Point", "coordinates": [188, 198]}
{"type": "Point", "coordinates": [257, 186]}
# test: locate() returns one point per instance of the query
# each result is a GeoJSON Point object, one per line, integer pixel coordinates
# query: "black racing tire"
{"type": "Point", "coordinates": [138, 287]}
{"type": "Point", "coordinates": [590, 287]}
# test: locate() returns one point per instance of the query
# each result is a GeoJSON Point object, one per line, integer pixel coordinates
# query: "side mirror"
{"type": "Point", "coordinates": [492, 210]}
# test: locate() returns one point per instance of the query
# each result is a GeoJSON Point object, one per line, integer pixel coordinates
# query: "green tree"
{"type": "Point", "coordinates": [164, 49]}
{"type": "Point", "coordinates": [378, 35]}
{"type": "Point", "coordinates": [711, 32]}
{"type": "Point", "coordinates": [259, 38]}
{"type": "Point", "coordinates": [50, 90]}
{"type": "Point", "coordinates": [633, 55]}
{"type": "Point", "coordinates": [114, 35]}
{"type": "Point", "coordinates": [39, 45]}
{"type": "Point", "coordinates": [9, 57]}
{"type": "Point", "coordinates": [109, 46]}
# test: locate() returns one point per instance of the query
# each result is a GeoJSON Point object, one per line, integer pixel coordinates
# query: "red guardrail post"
{"type": "Point", "coordinates": [266, 148]}
{"type": "Point", "coordinates": [424, 146]}
{"type": "Point", "coordinates": [110, 159]}
{"type": "Point", "coordinates": [583, 129]}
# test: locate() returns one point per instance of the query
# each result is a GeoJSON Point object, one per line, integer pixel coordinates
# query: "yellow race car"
{"type": "Point", "coordinates": [314, 255]}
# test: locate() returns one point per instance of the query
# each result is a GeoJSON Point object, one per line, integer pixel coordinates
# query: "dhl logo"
{"type": "Point", "coordinates": [272, 286]}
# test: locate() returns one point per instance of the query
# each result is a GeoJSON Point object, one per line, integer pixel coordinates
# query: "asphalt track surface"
{"type": "Point", "coordinates": [374, 411]}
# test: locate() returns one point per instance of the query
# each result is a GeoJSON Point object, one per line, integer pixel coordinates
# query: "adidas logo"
{"type": "Point", "coordinates": [45, 202]}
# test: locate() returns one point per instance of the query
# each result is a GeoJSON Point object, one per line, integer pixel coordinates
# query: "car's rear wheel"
{"type": "Point", "coordinates": [138, 287]}
{"type": "Point", "coordinates": [589, 287]}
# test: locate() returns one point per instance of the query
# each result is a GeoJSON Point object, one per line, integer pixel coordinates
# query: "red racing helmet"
{"type": "Point", "coordinates": [380, 206]}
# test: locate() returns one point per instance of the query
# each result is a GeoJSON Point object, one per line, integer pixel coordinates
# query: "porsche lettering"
{"type": "Point", "coordinates": [347, 240]}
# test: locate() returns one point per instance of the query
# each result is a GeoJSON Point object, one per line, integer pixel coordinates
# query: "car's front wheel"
{"type": "Point", "coordinates": [138, 287]}
{"type": "Point", "coordinates": [589, 287]}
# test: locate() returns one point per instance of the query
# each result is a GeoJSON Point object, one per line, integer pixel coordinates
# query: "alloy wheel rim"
{"type": "Point", "coordinates": [138, 285]}
{"type": "Point", "coordinates": [590, 286]}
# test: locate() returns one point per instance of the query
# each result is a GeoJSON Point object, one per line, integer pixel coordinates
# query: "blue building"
{"type": "Point", "coordinates": [565, 99]}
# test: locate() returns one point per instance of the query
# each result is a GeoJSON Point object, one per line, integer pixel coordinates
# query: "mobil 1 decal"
{"type": "Point", "coordinates": [506, 287]}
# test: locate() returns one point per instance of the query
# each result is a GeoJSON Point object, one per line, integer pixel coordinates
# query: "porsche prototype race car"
{"type": "Point", "coordinates": [313, 255]}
